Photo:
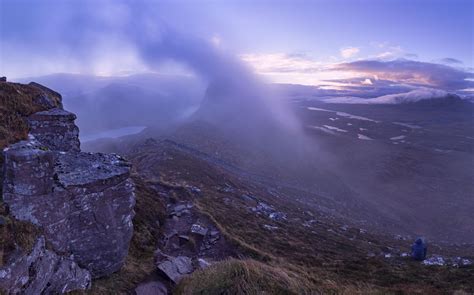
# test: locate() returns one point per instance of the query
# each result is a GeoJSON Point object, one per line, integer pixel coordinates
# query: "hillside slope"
{"type": "Point", "coordinates": [279, 240]}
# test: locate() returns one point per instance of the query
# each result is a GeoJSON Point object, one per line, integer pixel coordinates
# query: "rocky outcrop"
{"type": "Point", "coordinates": [83, 202]}
{"type": "Point", "coordinates": [43, 272]}
{"type": "Point", "coordinates": [190, 241]}
{"type": "Point", "coordinates": [100, 209]}
{"type": "Point", "coordinates": [55, 129]}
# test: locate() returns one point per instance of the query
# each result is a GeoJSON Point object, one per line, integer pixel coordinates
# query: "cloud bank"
{"type": "Point", "coordinates": [411, 72]}
{"type": "Point", "coordinates": [366, 75]}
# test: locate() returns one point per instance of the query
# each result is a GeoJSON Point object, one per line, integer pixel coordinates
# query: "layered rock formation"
{"type": "Point", "coordinates": [55, 128]}
{"type": "Point", "coordinates": [83, 202]}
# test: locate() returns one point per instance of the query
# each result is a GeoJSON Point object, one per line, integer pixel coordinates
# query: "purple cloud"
{"type": "Point", "coordinates": [411, 72]}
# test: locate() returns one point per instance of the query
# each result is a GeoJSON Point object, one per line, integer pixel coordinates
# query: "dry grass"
{"type": "Point", "coordinates": [235, 240]}
{"type": "Point", "coordinates": [330, 264]}
{"type": "Point", "coordinates": [252, 277]}
{"type": "Point", "coordinates": [18, 101]}
{"type": "Point", "coordinates": [243, 277]}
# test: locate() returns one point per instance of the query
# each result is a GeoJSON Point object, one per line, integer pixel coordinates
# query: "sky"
{"type": "Point", "coordinates": [328, 43]}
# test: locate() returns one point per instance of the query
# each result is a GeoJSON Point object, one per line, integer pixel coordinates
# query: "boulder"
{"type": "Point", "coordinates": [176, 267]}
{"type": "Point", "coordinates": [43, 272]}
{"type": "Point", "coordinates": [199, 229]}
{"type": "Point", "coordinates": [100, 215]}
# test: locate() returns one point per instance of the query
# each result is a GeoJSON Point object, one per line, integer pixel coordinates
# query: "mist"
{"type": "Point", "coordinates": [211, 86]}
{"type": "Point", "coordinates": [137, 28]}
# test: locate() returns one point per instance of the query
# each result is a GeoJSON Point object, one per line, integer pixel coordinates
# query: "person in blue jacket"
{"type": "Point", "coordinates": [419, 250]}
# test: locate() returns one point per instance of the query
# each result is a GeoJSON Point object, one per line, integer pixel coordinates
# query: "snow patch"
{"type": "Point", "coordinates": [334, 128]}
{"type": "Point", "coordinates": [415, 95]}
{"type": "Point", "coordinates": [412, 126]}
{"type": "Point", "coordinates": [350, 116]}
{"type": "Point", "coordinates": [364, 137]}
{"type": "Point", "coordinates": [397, 137]}
{"type": "Point", "coordinates": [319, 109]}
{"type": "Point", "coordinates": [343, 114]}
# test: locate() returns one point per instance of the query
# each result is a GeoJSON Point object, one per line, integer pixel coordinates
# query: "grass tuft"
{"type": "Point", "coordinates": [242, 277]}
